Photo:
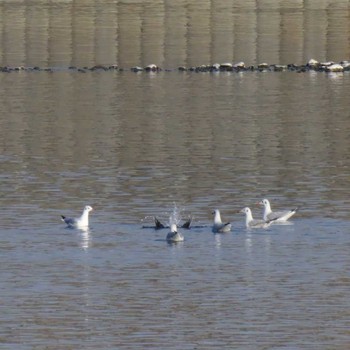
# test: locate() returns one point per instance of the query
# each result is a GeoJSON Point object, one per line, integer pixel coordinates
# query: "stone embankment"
{"type": "Point", "coordinates": [312, 65]}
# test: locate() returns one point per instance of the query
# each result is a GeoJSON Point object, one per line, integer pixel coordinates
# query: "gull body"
{"type": "Point", "coordinates": [219, 226]}
{"type": "Point", "coordinates": [80, 222]}
{"type": "Point", "coordinates": [276, 216]}
{"type": "Point", "coordinates": [174, 236]}
{"type": "Point", "coordinates": [250, 222]}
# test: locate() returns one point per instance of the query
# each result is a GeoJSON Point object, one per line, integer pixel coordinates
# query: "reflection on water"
{"type": "Point", "coordinates": [217, 241]}
{"type": "Point", "coordinates": [199, 140]}
{"type": "Point", "coordinates": [171, 34]}
{"type": "Point", "coordinates": [85, 239]}
{"type": "Point", "coordinates": [248, 244]}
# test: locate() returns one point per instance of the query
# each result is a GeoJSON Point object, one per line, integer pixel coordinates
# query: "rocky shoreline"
{"type": "Point", "coordinates": [311, 65]}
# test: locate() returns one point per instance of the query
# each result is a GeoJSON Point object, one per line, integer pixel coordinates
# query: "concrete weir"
{"type": "Point", "coordinates": [311, 65]}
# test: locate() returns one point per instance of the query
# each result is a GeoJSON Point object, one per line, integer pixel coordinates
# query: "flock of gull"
{"type": "Point", "coordinates": [269, 217]}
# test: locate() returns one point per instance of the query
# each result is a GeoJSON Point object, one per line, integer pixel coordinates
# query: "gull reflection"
{"type": "Point", "coordinates": [217, 241]}
{"type": "Point", "coordinates": [85, 239]}
{"type": "Point", "coordinates": [248, 244]}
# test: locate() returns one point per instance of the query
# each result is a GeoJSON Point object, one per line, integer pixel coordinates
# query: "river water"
{"type": "Point", "coordinates": [137, 145]}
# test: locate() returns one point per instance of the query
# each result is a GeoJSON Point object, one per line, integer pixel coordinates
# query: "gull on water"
{"type": "Point", "coordinates": [219, 226]}
{"type": "Point", "coordinates": [80, 222]}
{"type": "Point", "coordinates": [250, 222]}
{"type": "Point", "coordinates": [276, 216]}
{"type": "Point", "coordinates": [174, 236]}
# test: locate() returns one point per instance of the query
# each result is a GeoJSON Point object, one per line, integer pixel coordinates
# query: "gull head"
{"type": "Point", "coordinates": [246, 210]}
{"type": "Point", "coordinates": [215, 211]}
{"type": "Point", "coordinates": [217, 216]}
{"type": "Point", "coordinates": [265, 202]}
{"type": "Point", "coordinates": [173, 228]}
{"type": "Point", "coordinates": [88, 208]}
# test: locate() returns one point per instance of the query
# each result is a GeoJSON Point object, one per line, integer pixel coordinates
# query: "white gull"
{"type": "Point", "coordinates": [174, 236]}
{"type": "Point", "coordinates": [80, 222]}
{"type": "Point", "coordinates": [219, 226]}
{"type": "Point", "coordinates": [276, 216]}
{"type": "Point", "coordinates": [250, 222]}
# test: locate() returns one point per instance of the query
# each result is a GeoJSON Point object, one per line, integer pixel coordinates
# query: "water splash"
{"type": "Point", "coordinates": [147, 218]}
{"type": "Point", "coordinates": [176, 216]}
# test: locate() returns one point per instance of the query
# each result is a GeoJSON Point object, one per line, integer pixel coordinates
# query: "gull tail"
{"type": "Point", "coordinates": [158, 224]}
{"type": "Point", "coordinates": [187, 224]}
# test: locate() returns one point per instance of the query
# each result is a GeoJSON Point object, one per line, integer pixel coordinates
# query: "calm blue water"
{"type": "Point", "coordinates": [123, 286]}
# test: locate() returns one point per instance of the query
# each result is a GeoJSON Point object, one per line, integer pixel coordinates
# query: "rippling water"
{"type": "Point", "coordinates": [133, 146]}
